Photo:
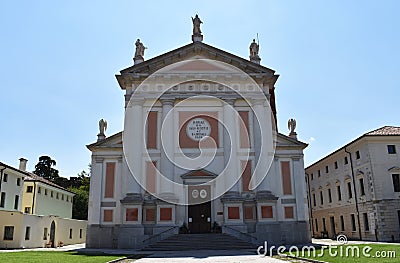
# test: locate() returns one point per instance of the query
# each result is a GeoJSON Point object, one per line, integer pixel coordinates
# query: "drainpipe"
{"type": "Point", "coordinates": [34, 194]}
{"type": "Point", "coordinates": [355, 193]}
{"type": "Point", "coordinates": [309, 204]}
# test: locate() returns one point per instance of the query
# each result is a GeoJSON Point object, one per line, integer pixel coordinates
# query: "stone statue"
{"type": "Point", "coordinates": [139, 49]}
{"type": "Point", "coordinates": [254, 49]}
{"type": "Point", "coordinates": [102, 126]}
{"type": "Point", "coordinates": [196, 25]}
{"type": "Point", "coordinates": [292, 125]}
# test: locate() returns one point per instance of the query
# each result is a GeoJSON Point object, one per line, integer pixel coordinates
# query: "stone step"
{"type": "Point", "coordinates": [200, 242]}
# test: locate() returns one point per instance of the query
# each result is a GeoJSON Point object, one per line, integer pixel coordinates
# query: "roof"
{"type": "Point", "coordinates": [34, 177]}
{"type": "Point", "coordinates": [386, 130]}
{"type": "Point", "coordinates": [383, 131]}
{"type": "Point", "coordinates": [31, 177]}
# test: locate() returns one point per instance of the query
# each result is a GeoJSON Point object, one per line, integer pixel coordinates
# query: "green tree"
{"type": "Point", "coordinates": [81, 198]}
{"type": "Point", "coordinates": [44, 168]}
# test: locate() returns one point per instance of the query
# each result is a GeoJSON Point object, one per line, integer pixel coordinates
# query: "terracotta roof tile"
{"type": "Point", "coordinates": [386, 130]}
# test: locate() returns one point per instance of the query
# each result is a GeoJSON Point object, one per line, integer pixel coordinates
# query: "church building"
{"type": "Point", "coordinates": [200, 152]}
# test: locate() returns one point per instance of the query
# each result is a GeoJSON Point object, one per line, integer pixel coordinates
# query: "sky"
{"type": "Point", "coordinates": [338, 63]}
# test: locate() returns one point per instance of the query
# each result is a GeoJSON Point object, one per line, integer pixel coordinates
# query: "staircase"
{"type": "Point", "coordinates": [200, 242]}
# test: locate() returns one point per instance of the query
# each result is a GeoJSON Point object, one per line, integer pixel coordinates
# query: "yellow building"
{"type": "Point", "coordinates": [42, 197]}
{"type": "Point", "coordinates": [35, 212]}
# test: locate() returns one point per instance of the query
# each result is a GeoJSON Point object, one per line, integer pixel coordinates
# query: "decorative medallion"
{"type": "Point", "coordinates": [198, 128]}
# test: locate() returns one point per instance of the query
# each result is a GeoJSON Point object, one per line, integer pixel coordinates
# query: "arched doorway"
{"type": "Point", "coordinates": [52, 233]}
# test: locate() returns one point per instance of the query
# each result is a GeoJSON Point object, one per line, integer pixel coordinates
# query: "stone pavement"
{"type": "Point", "coordinates": [64, 248]}
{"type": "Point", "coordinates": [211, 256]}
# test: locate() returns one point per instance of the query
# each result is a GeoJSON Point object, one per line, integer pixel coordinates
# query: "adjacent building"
{"type": "Point", "coordinates": [356, 189]}
{"type": "Point", "coordinates": [35, 212]}
{"type": "Point", "coordinates": [131, 205]}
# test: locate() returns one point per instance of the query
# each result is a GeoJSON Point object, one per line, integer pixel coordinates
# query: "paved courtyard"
{"type": "Point", "coordinates": [218, 256]}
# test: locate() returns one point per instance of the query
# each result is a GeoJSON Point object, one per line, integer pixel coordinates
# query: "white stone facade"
{"type": "Point", "coordinates": [122, 214]}
{"type": "Point", "coordinates": [369, 166]}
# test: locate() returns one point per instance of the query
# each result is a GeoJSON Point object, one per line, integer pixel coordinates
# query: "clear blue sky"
{"type": "Point", "coordinates": [338, 62]}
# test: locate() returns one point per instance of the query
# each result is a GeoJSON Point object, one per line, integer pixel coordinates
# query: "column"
{"type": "Point", "coordinates": [95, 193]}
{"type": "Point", "coordinates": [266, 150]}
{"type": "Point", "coordinates": [299, 186]}
{"type": "Point", "coordinates": [135, 140]}
{"type": "Point", "coordinates": [167, 146]}
{"type": "Point", "coordinates": [230, 146]}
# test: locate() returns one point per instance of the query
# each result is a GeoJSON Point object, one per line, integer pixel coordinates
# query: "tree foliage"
{"type": "Point", "coordinates": [44, 168]}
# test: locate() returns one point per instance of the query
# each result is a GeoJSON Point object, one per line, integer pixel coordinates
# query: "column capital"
{"type": "Point", "coordinates": [167, 101]}
{"type": "Point", "coordinates": [230, 101]}
{"type": "Point", "coordinates": [134, 101]}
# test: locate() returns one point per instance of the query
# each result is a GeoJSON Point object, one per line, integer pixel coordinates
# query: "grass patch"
{"type": "Point", "coordinates": [55, 256]}
{"type": "Point", "coordinates": [365, 253]}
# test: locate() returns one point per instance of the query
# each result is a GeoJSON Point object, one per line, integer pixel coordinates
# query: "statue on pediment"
{"type": "Point", "coordinates": [102, 126]}
{"type": "Point", "coordinates": [139, 49]}
{"type": "Point", "coordinates": [196, 25]}
{"type": "Point", "coordinates": [254, 47]}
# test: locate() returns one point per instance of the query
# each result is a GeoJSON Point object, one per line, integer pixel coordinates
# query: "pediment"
{"type": "Point", "coordinates": [286, 141]}
{"type": "Point", "coordinates": [198, 174]}
{"type": "Point", "coordinates": [194, 51]}
{"type": "Point", "coordinates": [394, 169]}
{"type": "Point", "coordinates": [114, 141]}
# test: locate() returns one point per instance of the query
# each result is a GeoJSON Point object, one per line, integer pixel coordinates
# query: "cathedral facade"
{"type": "Point", "coordinates": [200, 152]}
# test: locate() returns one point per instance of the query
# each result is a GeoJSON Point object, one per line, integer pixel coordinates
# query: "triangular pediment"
{"type": "Point", "coordinates": [114, 141]}
{"type": "Point", "coordinates": [193, 51]}
{"type": "Point", "coordinates": [286, 141]}
{"type": "Point", "coordinates": [197, 174]}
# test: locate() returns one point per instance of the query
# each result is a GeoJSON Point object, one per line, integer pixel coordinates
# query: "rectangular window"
{"type": "Point", "coordinates": [29, 189]}
{"type": "Point", "coordinates": [62, 197]}
{"type": "Point", "coordinates": [5, 178]}
{"type": "Point", "coordinates": [151, 177]}
{"type": "Point", "coordinates": [109, 184]}
{"type": "Point", "coordinates": [346, 161]}
{"type": "Point", "coordinates": [396, 183]}
{"type": "Point", "coordinates": [391, 149]}
{"type": "Point", "coordinates": [51, 194]}
{"type": "Point", "coordinates": [108, 215]}
{"type": "Point", "coordinates": [57, 196]}
{"type": "Point", "coordinates": [45, 191]}
{"type": "Point", "coordinates": [329, 195]}
{"type": "Point", "coordinates": [327, 169]}
{"type": "Point", "coordinates": [45, 233]}
{"type": "Point", "coordinates": [67, 198]}
{"type": "Point", "coordinates": [18, 181]}
{"type": "Point", "coordinates": [27, 232]}
{"type": "Point", "coordinates": [339, 193]}
{"type": "Point", "coordinates": [286, 178]}
{"type": "Point", "coordinates": [342, 223]}
{"type": "Point", "coordinates": [314, 200]}
{"type": "Point", "coordinates": [39, 190]}
{"type": "Point", "coordinates": [152, 130]}
{"type": "Point", "coordinates": [319, 173]}
{"type": "Point", "coordinates": [3, 199]}
{"type": "Point", "coordinates": [27, 210]}
{"type": "Point", "coordinates": [366, 223]}
{"type": "Point", "coordinates": [267, 212]}
{"type": "Point", "coordinates": [80, 233]}
{"type": "Point", "coordinates": [321, 197]}
{"type": "Point", "coordinates": [244, 129]}
{"type": "Point", "coordinates": [349, 192]}
{"type": "Point", "coordinates": [316, 225]}
{"type": "Point", "coordinates": [324, 224]}
{"type": "Point", "coordinates": [16, 201]}
{"type": "Point", "coordinates": [132, 214]}
{"type": "Point", "coordinates": [353, 222]}
{"type": "Point", "coordinates": [358, 155]}
{"type": "Point", "coordinates": [246, 175]}
{"type": "Point", "coordinates": [336, 165]}
{"type": "Point", "coordinates": [312, 176]}
{"type": "Point", "coordinates": [70, 233]}
{"type": "Point", "coordinates": [398, 216]}
{"type": "Point", "coordinates": [362, 190]}
{"type": "Point", "coordinates": [8, 233]}
{"type": "Point", "coordinates": [289, 214]}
